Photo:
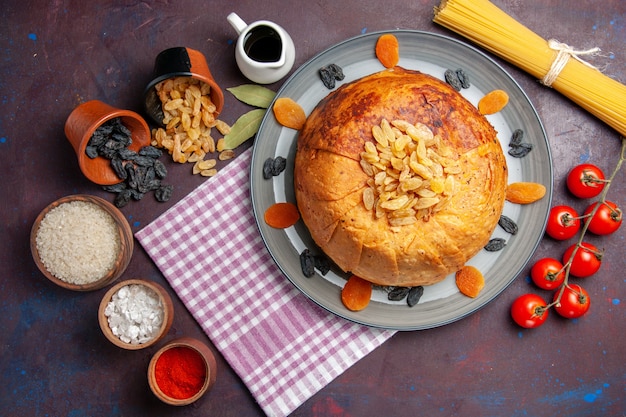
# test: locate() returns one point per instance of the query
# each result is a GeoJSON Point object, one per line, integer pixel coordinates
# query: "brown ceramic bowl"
{"type": "Point", "coordinates": [83, 122]}
{"type": "Point", "coordinates": [179, 62]}
{"type": "Point", "coordinates": [166, 303]}
{"type": "Point", "coordinates": [125, 237]}
{"type": "Point", "coordinates": [207, 358]}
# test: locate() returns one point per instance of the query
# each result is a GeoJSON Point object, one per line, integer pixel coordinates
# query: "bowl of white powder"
{"type": "Point", "coordinates": [135, 313]}
{"type": "Point", "coordinates": [81, 242]}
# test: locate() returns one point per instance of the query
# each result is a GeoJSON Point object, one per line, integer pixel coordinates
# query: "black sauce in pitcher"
{"type": "Point", "coordinates": [263, 44]}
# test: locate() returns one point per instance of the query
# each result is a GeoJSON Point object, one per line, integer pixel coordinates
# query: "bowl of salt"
{"type": "Point", "coordinates": [135, 314]}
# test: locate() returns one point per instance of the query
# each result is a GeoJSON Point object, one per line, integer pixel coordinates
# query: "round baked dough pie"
{"type": "Point", "coordinates": [398, 178]}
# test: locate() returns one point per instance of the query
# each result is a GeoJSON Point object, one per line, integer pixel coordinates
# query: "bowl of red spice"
{"type": "Point", "coordinates": [81, 242]}
{"type": "Point", "coordinates": [135, 313]}
{"type": "Point", "coordinates": [182, 371]}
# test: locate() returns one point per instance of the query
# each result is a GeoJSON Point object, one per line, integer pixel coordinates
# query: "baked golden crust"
{"type": "Point", "coordinates": [329, 180]}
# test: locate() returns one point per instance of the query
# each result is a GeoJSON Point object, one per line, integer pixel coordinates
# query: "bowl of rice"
{"type": "Point", "coordinates": [135, 313]}
{"type": "Point", "coordinates": [81, 242]}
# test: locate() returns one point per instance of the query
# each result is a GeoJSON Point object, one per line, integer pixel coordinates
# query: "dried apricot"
{"type": "Point", "coordinates": [356, 294]}
{"type": "Point", "coordinates": [281, 215]}
{"type": "Point", "coordinates": [388, 50]}
{"type": "Point", "coordinates": [524, 192]}
{"type": "Point", "coordinates": [493, 102]}
{"type": "Point", "coordinates": [289, 113]}
{"type": "Point", "coordinates": [470, 281]}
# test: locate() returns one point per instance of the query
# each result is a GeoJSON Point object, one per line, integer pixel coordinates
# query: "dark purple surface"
{"type": "Point", "coordinates": [54, 359]}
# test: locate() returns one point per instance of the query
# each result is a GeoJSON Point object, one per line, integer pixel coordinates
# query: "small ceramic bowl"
{"type": "Point", "coordinates": [125, 238]}
{"type": "Point", "coordinates": [204, 357]}
{"type": "Point", "coordinates": [179, 62]}
{"type": "Point", "coordinates": [83, 122]}
{"type": "Point", "coordinates": [122, 307]}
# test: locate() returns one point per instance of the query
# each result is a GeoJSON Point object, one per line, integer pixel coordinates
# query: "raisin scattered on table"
{"type": "Point", "coordinates": [495, 244]}
{"type": "Point", "coordinates": [159, 169]}
{"type": "Point", "coordinates": [163, 193]}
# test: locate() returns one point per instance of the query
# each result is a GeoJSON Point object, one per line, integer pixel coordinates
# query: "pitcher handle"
{"type": "Point", "coordinates": [236, 22]}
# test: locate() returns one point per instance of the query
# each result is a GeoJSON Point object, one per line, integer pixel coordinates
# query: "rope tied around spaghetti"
{"type": "Point", "coordinates": [564, 53]}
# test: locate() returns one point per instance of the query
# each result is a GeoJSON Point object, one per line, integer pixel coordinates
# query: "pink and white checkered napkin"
{"type": "Point", "coordinates": [283, 346]}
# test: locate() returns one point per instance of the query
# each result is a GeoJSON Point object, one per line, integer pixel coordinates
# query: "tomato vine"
{"type": "Point", "coordinates": [577, 299]}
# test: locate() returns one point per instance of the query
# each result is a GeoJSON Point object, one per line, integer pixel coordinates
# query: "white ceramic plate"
{"type": "Point", "coordinates": [441, 303]}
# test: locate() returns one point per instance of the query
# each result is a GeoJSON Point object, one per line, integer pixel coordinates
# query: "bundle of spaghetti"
{"type": "Point", "coordinates": [492, 29]}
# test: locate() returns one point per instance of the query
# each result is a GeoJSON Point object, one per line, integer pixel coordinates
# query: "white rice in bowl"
{"type": "Point", "coordinates": [78, 242]}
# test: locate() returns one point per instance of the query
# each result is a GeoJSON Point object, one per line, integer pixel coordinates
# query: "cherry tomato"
{"type": "Point", "coordinates": [574, 302]}
{"type": "Point", "coordinates": [585, 181]}
{"type": "Point", "coordinates": [586, 261]}
{"type": "Point", "coordinates": [547, 273]}
{"type": "Point", "coordinates": [529, 311]}
{"type": "Point", "coordinates": [563, 223]}
{"type": "Point", "coordinates": [606, 220]}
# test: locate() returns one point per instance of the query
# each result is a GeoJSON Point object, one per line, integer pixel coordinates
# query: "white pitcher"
{"type": "Point", "coordinates": [265, 52]}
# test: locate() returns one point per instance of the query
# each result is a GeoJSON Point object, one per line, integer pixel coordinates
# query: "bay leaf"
{"type": "Point", "coordinates": [244, 128]}
{"type": "Point", "coordinates": [253, 94]}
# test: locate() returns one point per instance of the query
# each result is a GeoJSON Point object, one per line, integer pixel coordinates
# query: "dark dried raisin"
{"type": "Point", "coordinates": [119, 169]}
{"type": "Point", "coordinates": [331, 73]}
{"type": "Point", "coordinates": [272, 167]}
{"type": "Point", "coordinates": [159, 169]}
{"type": "Point", "coordinates": [122, 198]}
{"type": "Point", "coordinates": [267, 168]}
{"type": "Point", "coordinates": [130, 180]}
{"type": "Point", "coordinates": [144, 161]}
{"type": "Point", "coordinates": [126, 154]}
{"type": "Point", "coordinates": [307, 263]}
{"type": "Point", "coordinates": [398, 293]}
{"type": "Point", "coordinates": [327, 78]}
{"type": "Point", "coordinates": [115, 188]}
{"type": "Point", "coordinates": [452, 78]}
{"type": "Point", "coordinates": [337, 72]}
{"type": "Point", "coordinates": [322, 264]}
{"type": "Point", "coordinates": [136, 195]}
{"type": "Point", "coordinates": [516, 138]}
{"type": "Point", "coordinates": [278, 165]}
{"type": "Point", "coordinates": [463, 78]}
{"type": "Point", "coordinates": [495, 244]}
{"type": "Point", "coordinates": [520, 150]}
{"type": "Point", "coordinates": [508, 225]}
{"type": "Point", "coordinates": [91, 151]}
{"type": "Point", "coordinates": [164, 193]}
{"type": "Point", "coordinates": [150, 152]}
{"type": "Point", "coordinates": [415, 293]}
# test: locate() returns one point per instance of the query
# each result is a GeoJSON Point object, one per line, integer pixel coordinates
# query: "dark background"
{"type": "Point", "coordinates": [54, 361]}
